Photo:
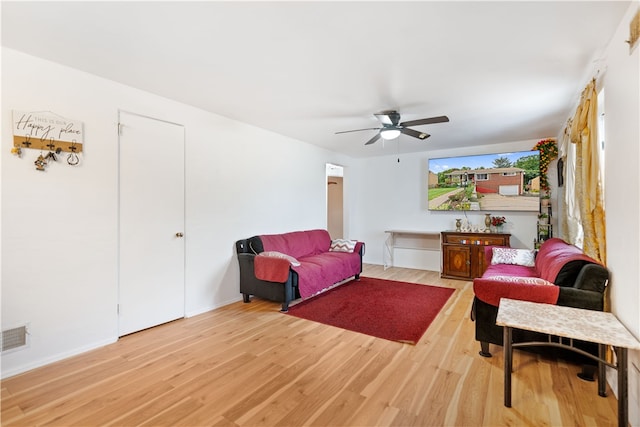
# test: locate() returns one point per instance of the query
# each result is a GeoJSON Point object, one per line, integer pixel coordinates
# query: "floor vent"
{"type": "Point", "coordinates": [14, 338]}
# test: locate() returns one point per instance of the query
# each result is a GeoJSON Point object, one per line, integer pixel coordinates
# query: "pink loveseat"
{"type": "Point", "coordinates": [561, 274]}
{"type": "Point", "coordinates": [299, 264]}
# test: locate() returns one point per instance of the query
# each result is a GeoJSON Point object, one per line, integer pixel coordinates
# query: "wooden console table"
{"type": "Point", "coordinates": [463, 252]}
{"type": "Point", "coordinates": [409, 239]}
{"type": "Point", "coordinates": [569, 323]}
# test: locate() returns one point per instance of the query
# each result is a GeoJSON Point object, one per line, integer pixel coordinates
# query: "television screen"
{"type": "Point", "coordinates": [487, 182]}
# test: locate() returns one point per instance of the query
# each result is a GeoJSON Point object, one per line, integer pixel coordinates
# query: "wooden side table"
{"type": "Point", "coordinates": [571, 323]}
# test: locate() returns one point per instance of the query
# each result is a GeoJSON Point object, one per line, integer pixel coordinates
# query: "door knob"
{"type": "Point", "coordinates": [179, 234]}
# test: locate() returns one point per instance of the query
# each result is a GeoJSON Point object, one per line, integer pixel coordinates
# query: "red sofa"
{"type": "Point", "coordinates": [300, 264]}
{"type": "Point", "coordinates": [562, 274]}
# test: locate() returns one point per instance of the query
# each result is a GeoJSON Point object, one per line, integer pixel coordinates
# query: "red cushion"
{"type": "Point", "coordinates": [509, 270]}
{"type": "Point", "coordinates": [318, 272]}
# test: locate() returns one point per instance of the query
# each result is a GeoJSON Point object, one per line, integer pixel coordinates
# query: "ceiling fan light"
{"type": "Point", "coordinates": [390, 133]}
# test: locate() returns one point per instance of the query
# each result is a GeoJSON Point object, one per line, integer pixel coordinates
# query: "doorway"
{"type": "Point", "coordinates": [335, 201]}
{"type": "Point", "coordinates": [151, 222]}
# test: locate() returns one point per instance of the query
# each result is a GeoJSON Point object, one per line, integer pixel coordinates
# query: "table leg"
{"type": "Point", "coordinates": [623, 407]}
{"type": "Point", "coordinates": [602, 378]}
{"type": "Point", "coordinates": [387, 254]}
{"type": "Point", "coordinates": [508, 353]}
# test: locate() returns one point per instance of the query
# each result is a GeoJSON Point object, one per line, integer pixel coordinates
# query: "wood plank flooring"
{"type": "Point", "coordinates": [250, 365]}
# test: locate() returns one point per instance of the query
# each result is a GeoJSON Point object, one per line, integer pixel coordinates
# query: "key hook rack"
{"type": "Point", "coordinates": [47, 131]}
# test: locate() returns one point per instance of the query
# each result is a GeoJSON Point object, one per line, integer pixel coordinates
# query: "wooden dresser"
{"type": "Point", "coordinates": [463, 253]}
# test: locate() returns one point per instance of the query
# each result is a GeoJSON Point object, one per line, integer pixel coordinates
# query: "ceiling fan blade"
{"type": "Point", "coordinates": [388, 117]}
{"type": "Point", "coordinates": [439, 119]}
{"type": "Point", "coordinates": [372, 140]}
{"type": "Point", "coordinates": [356, 130]}
{"type": "Point", "coordinates": [415, 133]}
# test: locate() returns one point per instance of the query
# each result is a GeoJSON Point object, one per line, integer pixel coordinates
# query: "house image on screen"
{"type": "Point", "coordinates": [433, 180]}
{"type": "Point", "coordinates": [504, 181]}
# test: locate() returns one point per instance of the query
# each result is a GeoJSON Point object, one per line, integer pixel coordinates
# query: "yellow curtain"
{"type": "Point", "coordinates": [588, 179]}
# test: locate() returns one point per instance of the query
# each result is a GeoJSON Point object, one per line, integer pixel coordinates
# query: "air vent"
{"type": "Point", "coordinates": [14, 338]}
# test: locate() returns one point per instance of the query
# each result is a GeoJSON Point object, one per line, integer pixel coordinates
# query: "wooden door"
{"type": "Point", "coordinates": [335, 211]}
{"type": "Point", "coordinates": [151, 227]}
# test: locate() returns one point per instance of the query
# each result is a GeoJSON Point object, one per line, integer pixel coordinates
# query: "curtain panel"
{"type": "Point", "coordinates": [570, 215]}
{"type": "Point", "coordinates": [588, 194]}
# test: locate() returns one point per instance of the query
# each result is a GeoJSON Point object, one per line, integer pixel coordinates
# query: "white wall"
{"type": "Point", "coordinates": [59, 227]}
{"type": "Point", "coordinates": [621, 83]}
{"type": "Point", "coordinates": [393, 195]}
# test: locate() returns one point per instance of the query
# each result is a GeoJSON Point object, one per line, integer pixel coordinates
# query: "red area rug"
{"type": "Point", "coordinates": [396, 311]}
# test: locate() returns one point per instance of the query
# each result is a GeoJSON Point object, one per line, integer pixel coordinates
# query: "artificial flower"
{"type": "Point", "coordinates": [498, 220]}
{"type": "Point", "coordinates": [548, 151]}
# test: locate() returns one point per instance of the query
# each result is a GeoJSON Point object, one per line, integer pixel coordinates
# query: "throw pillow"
{"type": "Point", "coordinates": [274, 254]}
{"type": "Point", "coordinates": [519, 279]}
{"type": "Point", "coordinates": [524, 257]}
{"type": "Point", "coordinates": [341, 245]}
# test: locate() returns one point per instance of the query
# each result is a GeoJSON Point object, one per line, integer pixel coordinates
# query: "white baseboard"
{"type": "Point", "coordinates": [208, 308]}
{"type": "Point", "coordinates": [10, 372]}
{"type": "Point", "coordinates": [55, 358]}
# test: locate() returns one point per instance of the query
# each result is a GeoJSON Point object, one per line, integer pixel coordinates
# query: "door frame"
{"type": "Point", "coordinates": [184, 211]}
{"type": "Point", "coordinates": [335, 170]}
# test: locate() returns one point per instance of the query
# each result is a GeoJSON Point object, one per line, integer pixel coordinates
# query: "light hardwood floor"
{"type": "Point", "coordinates": [250, 365]}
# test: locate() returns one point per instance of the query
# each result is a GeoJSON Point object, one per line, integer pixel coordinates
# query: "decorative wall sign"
{"type": "Point", "coordinates": [45, 130]}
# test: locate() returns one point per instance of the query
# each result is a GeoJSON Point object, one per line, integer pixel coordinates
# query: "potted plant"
{"type": "Point", "coordinates": [543, 234]}
{"type": "Point", "coordinates": [498, 222]}
{"type": "Point", "coordinates": [543, 218]}
{"type": "Point", "coordinates": [544, 200]}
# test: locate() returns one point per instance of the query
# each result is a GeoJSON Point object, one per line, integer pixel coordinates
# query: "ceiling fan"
{"type": "Point", "coordinates": [392, 128]}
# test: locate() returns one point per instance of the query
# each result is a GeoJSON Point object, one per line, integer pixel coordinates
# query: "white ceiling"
{"type": "Point", "coordinates": [501, 71]}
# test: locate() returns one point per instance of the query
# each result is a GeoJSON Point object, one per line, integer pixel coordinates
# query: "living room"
{"type": "Point", "coordinates": [60, 228]}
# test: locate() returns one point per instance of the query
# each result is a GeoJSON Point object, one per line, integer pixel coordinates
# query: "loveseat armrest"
{"type": "Point", "coordinates": [246, 263]}
{"type": "Point", "coordinates": [592, 277]}
{"type": "Point", "coordinates": [360, 249]}
{"type": "Point", "coordinates": [490, 290]}
{"type": "Point", "coordinates": [274, 291]}
{"type": "Point", "coordinates": [579, 298]}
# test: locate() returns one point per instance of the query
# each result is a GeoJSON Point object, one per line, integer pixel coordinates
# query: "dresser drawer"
{"type": "Point", "coordinates": [476, 239]}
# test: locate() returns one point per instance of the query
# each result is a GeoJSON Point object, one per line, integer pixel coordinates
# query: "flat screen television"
{"type": "Point", "coordinates": [487, 182]}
